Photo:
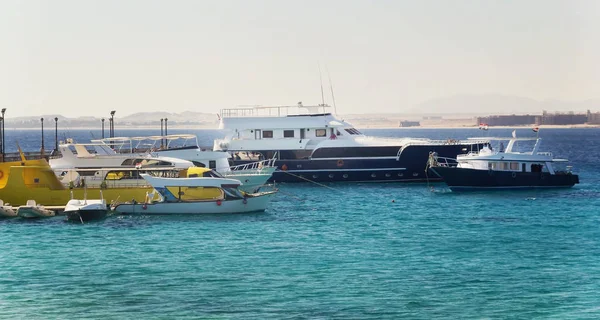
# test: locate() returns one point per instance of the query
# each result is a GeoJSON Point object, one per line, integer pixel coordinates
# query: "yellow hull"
{"type": "Point", "coordinates": [34, 180]}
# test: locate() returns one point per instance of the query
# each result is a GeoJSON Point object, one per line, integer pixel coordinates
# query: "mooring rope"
{"type": "Point", "coordinates": [319, 184]}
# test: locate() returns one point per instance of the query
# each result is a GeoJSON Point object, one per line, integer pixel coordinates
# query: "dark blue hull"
{"type": "Point", "coordinates": [86, 215]}
{"type": "Point", "coordinates": [408, 167]}
{"type": "Point", "coordinates": [461, 179]}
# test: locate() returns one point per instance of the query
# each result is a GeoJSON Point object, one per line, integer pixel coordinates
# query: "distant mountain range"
{"type": "Point", "coordinates": [486, 104]}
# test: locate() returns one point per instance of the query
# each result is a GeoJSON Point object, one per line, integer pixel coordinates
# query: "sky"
{"type": "Point", "coordinates": [85, 58]}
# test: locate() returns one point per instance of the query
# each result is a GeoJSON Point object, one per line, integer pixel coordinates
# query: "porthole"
{"type": "Point", "coordinates": [345, 176]}
{"type": "Point", "coordinates": [400, 174]}
{"type": "Point", "coordinates": [373, 175]}
{"type": "Point", "coordinates": [331, 176]}
{"type": "Point", "coordinates": [315, 176]}
{"type": "Point", "coordinates": [387, 175]}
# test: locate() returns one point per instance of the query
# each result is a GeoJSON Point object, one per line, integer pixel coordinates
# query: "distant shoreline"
{"type": "Point", "coordinates": [190, 127]}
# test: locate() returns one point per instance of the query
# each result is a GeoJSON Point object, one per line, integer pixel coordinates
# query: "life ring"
{"type": "Point", "coordinates": [340, 163]}
{"type": "Point", "coordinates": [514, 175]}
{"type": "Point", "coordinates": [219, 202]}
{"type": "Point", "coordinates": [284, 167]}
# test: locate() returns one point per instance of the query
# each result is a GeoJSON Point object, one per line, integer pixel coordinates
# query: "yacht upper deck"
{"type": "Point", "coordinates": [276, 111]}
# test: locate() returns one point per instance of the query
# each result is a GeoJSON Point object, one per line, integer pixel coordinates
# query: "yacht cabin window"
{"type": "Point", "coordinates": [352, 131]}
{"type": "Point", "coordinates": [267, 134]}
{"type": "Point", "coordinates": [212, 164]}
{"type": "Point", "coordinates": [514, 166]}
{"type": "Point", "coordinates": [320, 133]}
{"type": "Point", "coordinates": [288, 133]}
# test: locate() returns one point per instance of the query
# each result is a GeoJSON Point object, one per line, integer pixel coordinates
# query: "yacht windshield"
{"type": "Point", "coordinates": [352, 131]}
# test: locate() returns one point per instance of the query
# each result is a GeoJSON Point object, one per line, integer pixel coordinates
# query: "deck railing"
{"type": "Point", "coordinates": [254, 166]}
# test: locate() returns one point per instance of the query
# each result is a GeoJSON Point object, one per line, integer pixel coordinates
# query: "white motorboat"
{"type": "Point", "coordinates": [86, 210]}
{"type": "Point", "coordinates": [197, 195]}
{"type": "Point", "coordinates": [6, 210]}
{"type": "Point", "coordinates": [34, 210]}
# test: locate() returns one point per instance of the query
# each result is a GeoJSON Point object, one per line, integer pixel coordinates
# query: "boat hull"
{"type": "Point", "coordinates": [253, 204]}
{"type": "Point", "coordinates": [86, 215]}
{"type": "Point", "coordinates": [7, 212]}
{"type": "Point", "coordinates": [463, 179]}
{"type": "Point", "coordinates": [251, 182]}
{"type": "Point", "coordinates": [408, 167]}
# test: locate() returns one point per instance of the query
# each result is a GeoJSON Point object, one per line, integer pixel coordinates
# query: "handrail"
{"type": "Point", "coordinates": [437, 161]}
{"type": "Point", "coordinates": [258, 166]}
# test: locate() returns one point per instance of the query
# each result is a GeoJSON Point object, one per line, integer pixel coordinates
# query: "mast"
{"type": "Point", "coordinates": [321, 81]}
{"type": "Point", "coordinates": [331, 87]}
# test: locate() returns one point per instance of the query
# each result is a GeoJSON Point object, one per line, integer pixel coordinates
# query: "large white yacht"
{"type": "Point", "coordinates": [309, 143]}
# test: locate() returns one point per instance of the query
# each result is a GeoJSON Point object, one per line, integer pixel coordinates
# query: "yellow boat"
{"type": "Point", "coordinates": [34, 180]}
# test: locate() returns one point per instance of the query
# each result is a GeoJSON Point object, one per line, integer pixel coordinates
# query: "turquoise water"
{"type": "Point", "coordinates": [320, 253]}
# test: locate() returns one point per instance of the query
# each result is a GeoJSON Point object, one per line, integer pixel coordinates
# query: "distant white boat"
{"type": "Point", "coordinates": [6, 210]}
{"type": "Point", "coordinates": [34, 210]}
{"type": "Point", "coordinates": [201, 195]}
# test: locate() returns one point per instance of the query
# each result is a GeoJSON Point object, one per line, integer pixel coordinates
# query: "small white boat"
{"type": "Point", "coordinates": [197, 195]}
{"type": "Point", "coordinates": [6, 210]}
{"type": "Point", "coordinates": [86, 210]}
{"type": "Point", "coordinates": [34, 210]}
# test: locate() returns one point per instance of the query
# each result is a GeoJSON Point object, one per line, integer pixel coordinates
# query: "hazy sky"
{"type": "Point", "coordinates": [89, 57]}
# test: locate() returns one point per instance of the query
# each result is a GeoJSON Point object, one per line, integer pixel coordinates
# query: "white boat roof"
{"type": "Point", "coordinates": [189, 182]}
{"type": "Point", "coordinates": [315, 121]}
{"type": "Point", "coordinates": [274, 111]}
{"type": "Point", "coordinates": [159, 137]}
{"type": "Point", "coordinates": [504, 138]}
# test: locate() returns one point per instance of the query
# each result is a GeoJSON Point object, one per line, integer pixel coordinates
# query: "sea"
{"type": "Point", "coordinates": [343, 251]}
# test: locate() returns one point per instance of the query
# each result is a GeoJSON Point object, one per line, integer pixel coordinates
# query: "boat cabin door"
{"type": "Point", "coordinates": [301, 134]}
{"type": "Point", "coordinates": [257, 134]}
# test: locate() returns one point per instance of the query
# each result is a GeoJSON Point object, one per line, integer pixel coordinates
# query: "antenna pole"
{"type": "Point", "coordinates": [321, 80]}
{"type": "Point", "coordinates": [331, 86]}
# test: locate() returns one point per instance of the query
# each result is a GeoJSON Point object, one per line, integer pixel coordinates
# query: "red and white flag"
{"type": "Point", "coordinates": [483, 126]}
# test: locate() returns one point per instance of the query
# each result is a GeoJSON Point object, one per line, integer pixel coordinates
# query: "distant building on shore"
{"type": "Point", "coordinates": [547, 118]}
{"type": "Point", "coordinates": [407, 123]}
{"type": "Point", "coordinates": [508, 120]}
{"type": "Point", "coordinates": [563, 118]}
{"type": "Point", "coordinates": [432, 117]}
{"type": "Point", "coordinates": [593, 118]}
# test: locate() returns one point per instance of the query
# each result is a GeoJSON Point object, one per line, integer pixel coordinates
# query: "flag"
{"type": "Point", "coordinates": [483, 126]}
{"type": "Point", "coordinates": [535, 129]}
{"type": "Point", "coordinates": [514, 133]}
